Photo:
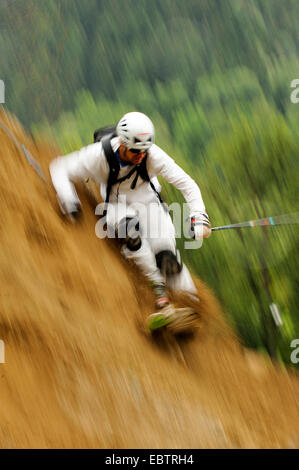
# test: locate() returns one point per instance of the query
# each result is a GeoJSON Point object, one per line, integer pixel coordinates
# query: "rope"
{"type": "Point", "coordinates": [21, 147]}
{"type": "Point", "coordinates": [285, 219]}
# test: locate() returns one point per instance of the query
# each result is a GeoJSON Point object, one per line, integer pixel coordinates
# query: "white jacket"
{"type": "Point", "coordinates": [91, 162]}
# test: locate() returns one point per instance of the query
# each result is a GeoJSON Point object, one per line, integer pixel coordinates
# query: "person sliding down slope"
{"type": "Point", "coordinates": [125, 164]}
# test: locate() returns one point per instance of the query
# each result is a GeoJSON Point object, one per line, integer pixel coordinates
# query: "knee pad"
{"type": "Point", "coordinates": [129, 231]}
{"type": "Point", "coordinates": [168, 262]}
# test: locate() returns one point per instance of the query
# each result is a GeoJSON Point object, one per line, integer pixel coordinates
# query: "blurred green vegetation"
{"type": "Point", "coordinates": [215, 79]}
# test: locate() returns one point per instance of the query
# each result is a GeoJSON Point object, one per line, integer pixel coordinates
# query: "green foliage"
{"type": "Point", "coordinates": [50, 50]}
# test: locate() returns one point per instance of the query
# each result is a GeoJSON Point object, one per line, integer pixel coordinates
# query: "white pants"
{"type": "Point", "coordinates": [157, 234]}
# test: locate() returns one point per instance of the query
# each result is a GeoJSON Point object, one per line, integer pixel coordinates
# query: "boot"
{"type": "Point", "coordinates": [177, 320]}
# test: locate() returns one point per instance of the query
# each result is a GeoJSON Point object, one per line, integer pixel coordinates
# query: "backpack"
{"type": "Point", "coordinates": [104, 135]}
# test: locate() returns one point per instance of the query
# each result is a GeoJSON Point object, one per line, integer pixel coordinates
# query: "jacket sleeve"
{"type": "Point", "coordinates": [88, 162]}
{"type": "Point", "coordinates": [163, 165]}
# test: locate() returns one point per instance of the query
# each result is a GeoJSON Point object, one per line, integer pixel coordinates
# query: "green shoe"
{"type": "Point", "coordinates": [177, 320]}
{"type": "Point", "coordinates": [160, 319]}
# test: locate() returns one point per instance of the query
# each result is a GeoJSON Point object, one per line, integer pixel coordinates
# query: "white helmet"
{"type": "Point", "coordinates": [136, 131]}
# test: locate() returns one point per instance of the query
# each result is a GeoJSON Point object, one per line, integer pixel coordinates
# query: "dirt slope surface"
{"type": "Point", "coordinates": [79, 372]}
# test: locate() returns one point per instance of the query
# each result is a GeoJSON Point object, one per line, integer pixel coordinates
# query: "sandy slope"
{"type": "Point", "coordinates": [79, 371]}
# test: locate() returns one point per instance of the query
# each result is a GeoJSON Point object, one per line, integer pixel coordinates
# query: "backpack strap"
{"type": "Point", "coordinates": [145, 176]}
{"type": "Point", "coordinates": [114, 167]}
